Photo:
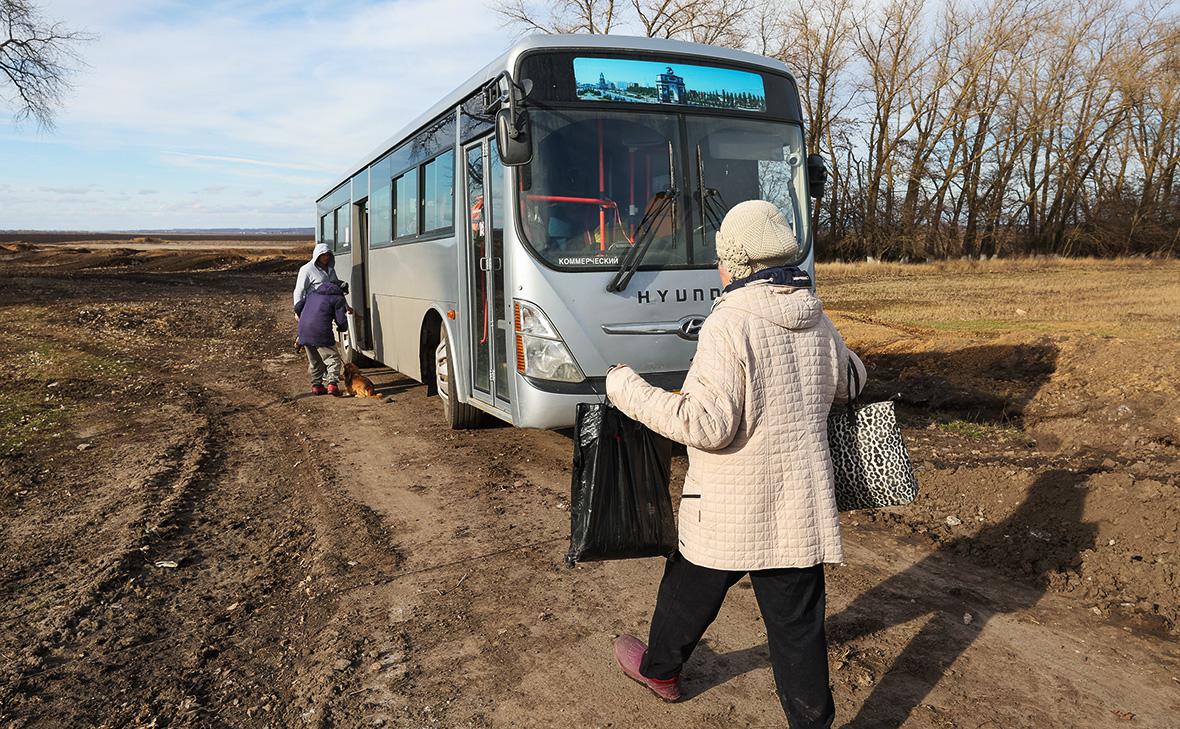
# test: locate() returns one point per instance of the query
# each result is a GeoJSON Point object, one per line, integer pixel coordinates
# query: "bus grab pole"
{"type": "Point", "coordinates": [601, 192]}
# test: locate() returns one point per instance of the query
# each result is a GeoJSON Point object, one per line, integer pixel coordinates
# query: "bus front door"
{"type": "Point", "coordinates": [359, 284]}
{"type": "Point", "coordinates": [484, 182]}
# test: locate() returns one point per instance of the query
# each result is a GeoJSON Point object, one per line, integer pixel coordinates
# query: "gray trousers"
{"type": "Point", "coordinates": [323, 363]}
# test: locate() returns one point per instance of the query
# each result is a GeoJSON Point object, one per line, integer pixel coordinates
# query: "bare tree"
{"type": "Point", "coordinates": [897, 52]}
{"type": "Point", "coordinates": [559, 16]}
{"type": "Point", "coordinates": [715, 22]}
{"type": "Point", "coordinates": [960, 127]}
{"type": "Point", "coordinates": [816, 42]}
{"type": "Point", "coordinates": [37, 58]}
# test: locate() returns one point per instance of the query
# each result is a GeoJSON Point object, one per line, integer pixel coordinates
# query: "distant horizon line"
{"type": "Point", "coordinates": [308, 230]}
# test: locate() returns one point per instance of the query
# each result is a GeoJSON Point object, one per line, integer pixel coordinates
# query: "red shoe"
{"type": "Point", "coordinates": [333, 390]}
{"type": "Point", "coordinates": [318, 390]}
{"type": "Point", "coordinates": [629, 652]}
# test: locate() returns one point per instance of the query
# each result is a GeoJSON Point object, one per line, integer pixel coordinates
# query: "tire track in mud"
{"type": "Point", "coordinates": [185, 472]}
{"type": "Point", "coordinates": [183, 469]}
{"type": "Point", "coordinates": [245, 630]}
{"type": "Point", "coordinates": [200, 492]}
{"type": "Point", "coordinates": [464, 506]}
{"type": "Point", "coordinates": [333, 651]}
{"type": "Point", "coordinates": [188, 472]}
{"type": "Point", "coordinates": [323, 526]}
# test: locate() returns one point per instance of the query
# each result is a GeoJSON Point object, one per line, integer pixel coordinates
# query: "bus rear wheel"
{"type": "Point", "coordinates": [460, 416]}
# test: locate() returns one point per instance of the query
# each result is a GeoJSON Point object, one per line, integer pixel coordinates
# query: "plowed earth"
{"type": "Point", "coordinates": [187, 539]}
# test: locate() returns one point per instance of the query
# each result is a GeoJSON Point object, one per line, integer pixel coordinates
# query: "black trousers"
{"type": "Point", "coordinates": [792, 605]}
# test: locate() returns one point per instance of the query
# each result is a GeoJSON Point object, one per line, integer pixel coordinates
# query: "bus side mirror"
{"type": "Point", "coordinates": [513, 137]}
{"type": "Point", "coordinates": [817, 175]}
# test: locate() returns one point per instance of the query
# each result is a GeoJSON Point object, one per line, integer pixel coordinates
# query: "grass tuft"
{"type": "Point", "coordinates": [981, 431]}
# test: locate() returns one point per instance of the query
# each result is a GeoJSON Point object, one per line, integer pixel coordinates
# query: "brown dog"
{"type": "Point", "coordinates": [356, 384]}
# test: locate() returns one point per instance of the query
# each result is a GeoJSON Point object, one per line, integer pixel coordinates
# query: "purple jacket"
{"type": "Point", "coordinates": [316, 312]}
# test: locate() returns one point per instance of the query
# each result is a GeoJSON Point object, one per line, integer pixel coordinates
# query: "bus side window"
{"type": "Point", "coordinates": [405, 204]}
{"type": "Point", "coordinates": [343, 229]}
{"type": "Point", "coordinates": [328, 229]}
{"type": "Point", "coordinates": [438, 206]}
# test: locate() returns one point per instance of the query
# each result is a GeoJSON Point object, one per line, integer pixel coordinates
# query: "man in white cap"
{"type": "Point", "coordinates": [759, 495]}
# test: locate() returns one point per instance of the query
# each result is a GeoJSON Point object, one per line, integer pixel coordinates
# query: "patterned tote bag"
{"type": "Point", "coordinates": [872, 464]}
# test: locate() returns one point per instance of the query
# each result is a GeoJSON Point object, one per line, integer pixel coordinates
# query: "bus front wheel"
{"type": "Point", "coordinates": [460, 416]}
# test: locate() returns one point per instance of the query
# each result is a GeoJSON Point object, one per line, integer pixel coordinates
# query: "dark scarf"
{"type": "Point", "coordinates": [779, 276]}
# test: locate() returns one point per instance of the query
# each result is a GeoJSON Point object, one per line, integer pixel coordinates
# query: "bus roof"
{"type": "Point", "coordinates": [507, 61]}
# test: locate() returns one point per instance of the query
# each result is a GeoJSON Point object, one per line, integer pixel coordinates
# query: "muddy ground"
{"type": "Point", "coordinates": [188, 539]}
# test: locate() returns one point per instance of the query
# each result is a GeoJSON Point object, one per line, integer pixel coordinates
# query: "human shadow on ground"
{"type": "Point", "coordinates": [712, 669]}
{"type": "Point", "coordinates": [1050, 516]}
{"type": "Point", "coordinates": [1043, 537]}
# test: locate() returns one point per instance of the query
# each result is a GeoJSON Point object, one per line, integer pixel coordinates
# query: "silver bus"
{"type": "Point", "coordinates": [556, 214]}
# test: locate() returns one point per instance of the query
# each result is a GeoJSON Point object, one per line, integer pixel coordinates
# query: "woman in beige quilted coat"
{"type": "Point", "coordinates": [759, 497]}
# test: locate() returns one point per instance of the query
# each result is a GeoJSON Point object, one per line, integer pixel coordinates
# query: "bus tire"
{"type": "Point", "coordinates": [460, 416]}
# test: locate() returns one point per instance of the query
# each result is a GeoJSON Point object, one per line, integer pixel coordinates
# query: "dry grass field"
{"type": "Point", "coordinates": [1133, 299]}
{"type": "Point", "coordinates": [1074, 364]}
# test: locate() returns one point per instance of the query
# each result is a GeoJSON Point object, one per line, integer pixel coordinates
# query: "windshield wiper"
{"type": "Point", "coordinates": [713, 207]}
{"type": "Point", "coordinates": [661, 203]}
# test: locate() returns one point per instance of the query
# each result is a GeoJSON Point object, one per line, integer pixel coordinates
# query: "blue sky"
{"type": "Point", "coordinates": [230, 114]}
{"type": "Point", "coordinates": [696, 78]}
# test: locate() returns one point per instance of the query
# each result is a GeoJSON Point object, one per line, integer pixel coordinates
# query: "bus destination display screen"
{"type": "Point", "coordinates": [655, 82]}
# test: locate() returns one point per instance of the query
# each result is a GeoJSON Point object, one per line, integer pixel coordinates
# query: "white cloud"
{"type": "Point", "coordinates": [313, 91]}
{"type": "Point", "coordinates": [67, 190]}
{"type": "Point", "coordinates": [241, 161]}
{"type": "Point", "coordinates": [286, 94]}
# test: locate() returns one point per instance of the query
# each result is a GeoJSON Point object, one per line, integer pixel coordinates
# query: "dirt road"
{"type": "Point", "coordinates": [189, 540]}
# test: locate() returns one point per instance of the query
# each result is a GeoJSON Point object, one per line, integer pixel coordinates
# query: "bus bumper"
{"type": "Point", "coordinates": [553, 405]}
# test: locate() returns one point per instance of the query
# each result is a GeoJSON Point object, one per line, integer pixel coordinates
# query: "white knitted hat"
{"type": "Point", "coordinates": [755, 235]}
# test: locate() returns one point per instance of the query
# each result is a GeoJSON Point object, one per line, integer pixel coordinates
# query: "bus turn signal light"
{"type": "Point", "coordinates": [519, 339]}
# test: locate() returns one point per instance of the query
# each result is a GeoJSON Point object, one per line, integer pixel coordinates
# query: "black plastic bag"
{"type": "Point", "coordinates": [619, 502]}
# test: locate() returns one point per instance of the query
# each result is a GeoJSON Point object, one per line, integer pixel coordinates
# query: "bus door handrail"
{"type": "Point", "coordinates": [603, 202]}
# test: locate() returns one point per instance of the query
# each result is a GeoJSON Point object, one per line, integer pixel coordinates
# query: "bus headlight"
{"type": "Point", "coordinates": [540, 352]}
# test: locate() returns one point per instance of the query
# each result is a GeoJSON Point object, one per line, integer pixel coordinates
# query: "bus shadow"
{"type": "Point", "coordinates": [395, 387]}
{"type": "Point", "coordinates": [388, 381]}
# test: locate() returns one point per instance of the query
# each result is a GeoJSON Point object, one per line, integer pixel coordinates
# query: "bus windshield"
{"type": "Point", "coordinates": [736, 160]}
{"type": "Point", "coordinates": [599, 180]}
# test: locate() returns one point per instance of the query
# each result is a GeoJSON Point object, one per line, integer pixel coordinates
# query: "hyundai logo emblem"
{"type": "Point", "coordinates": [690, 327]}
